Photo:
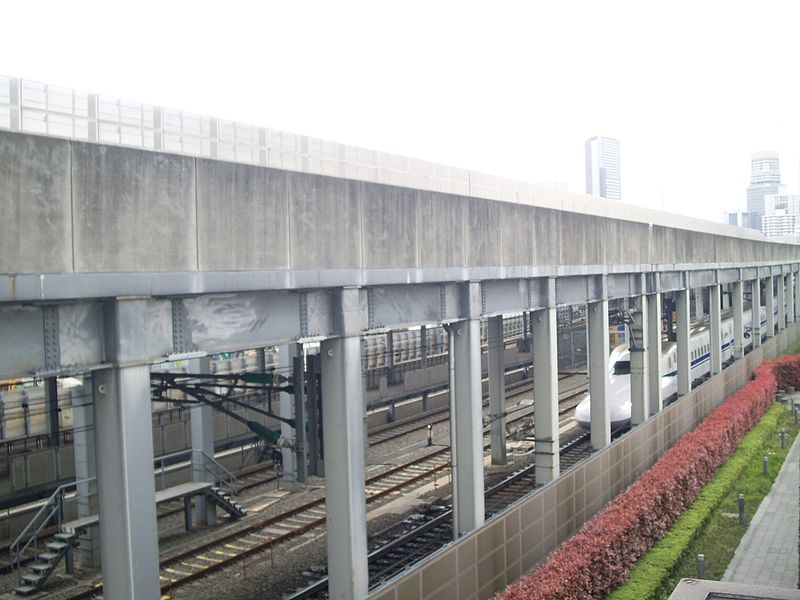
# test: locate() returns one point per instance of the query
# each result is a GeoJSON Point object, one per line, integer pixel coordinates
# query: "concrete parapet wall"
{"type": "Point", "coordinates": [515, 541]}
{"type": "Point", "coordinates": [76, 207]}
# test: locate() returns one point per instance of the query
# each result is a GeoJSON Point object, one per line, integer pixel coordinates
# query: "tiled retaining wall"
{"type": "Point", "coordinates": [514, 541]}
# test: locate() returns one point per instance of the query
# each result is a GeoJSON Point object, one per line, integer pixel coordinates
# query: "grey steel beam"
{"type": "Point", "coordinates": [286, 358]}
{"type": "Point", "coordinates": [781, 302]}
{"type": "Point", "coordinates": [466, 427]}
{"type": "Point", "coordinates": [755, 296]}
{"type": "Point", "coordinates": [682, 327]}
{"type": "Point", "coordinates": [497, 389]}
{"type": "Point", "coordinates": [654, 355]}
{"type": "Point", "coordinates": [639, 357]}
{"type": "Point", "coordinates": [598, 374]}
{"type": "Point", "coordinates": [300, 444]}
{"type": "Point", "coordinates": [738, 320]}
{"type": "Point", "coordinates": [343, 441]}
{"type": "Point", "coordinates": [545, 394]}
{"type": "Point", "coordinates": [201, 425]}
{"type": "Point", "coordinates": [769, 291]}
{"type": "Point", "coordinates": [83, 446]}
{"type": "Point", "coordinates": [715, 329]}
{"type": "Point", "coordinates": [125, 482]}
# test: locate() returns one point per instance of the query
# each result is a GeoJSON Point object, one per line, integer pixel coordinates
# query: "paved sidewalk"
{"type": "Point", "coordinates": [767, 554]}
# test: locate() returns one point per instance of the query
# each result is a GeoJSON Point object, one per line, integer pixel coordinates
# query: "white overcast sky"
{"type": "Point", "coordinates": [512, 88]}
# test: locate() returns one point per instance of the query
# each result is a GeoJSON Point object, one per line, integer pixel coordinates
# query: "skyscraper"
{"type": "Point", "coordinates": [765, 180]}
{"type": "Point", "coordinates": [602, 168]}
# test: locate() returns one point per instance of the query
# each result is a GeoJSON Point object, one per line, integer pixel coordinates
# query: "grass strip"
{"type": "Point", "coordinates": [652, 572]}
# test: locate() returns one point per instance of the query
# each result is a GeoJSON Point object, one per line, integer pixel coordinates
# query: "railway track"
{"type": "Point", "coordinates": [436, 530]}
{"type": "Point", "coordinates": [236, 545]}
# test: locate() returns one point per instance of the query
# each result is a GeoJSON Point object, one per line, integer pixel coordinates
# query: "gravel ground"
{"type": "Point", "coordinates": [273, 574]}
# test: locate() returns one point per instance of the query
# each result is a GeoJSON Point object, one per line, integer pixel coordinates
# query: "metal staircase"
{"type": "Point", "coordinates": [46, 562]}
{"type": "Point", "coordinates": [226, 502]}
{"type": "Point", "coordinates": [58, 547]}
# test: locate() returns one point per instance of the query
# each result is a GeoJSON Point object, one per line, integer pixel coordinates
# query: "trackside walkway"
{"type": "Point", "coordinates": [767, 554]}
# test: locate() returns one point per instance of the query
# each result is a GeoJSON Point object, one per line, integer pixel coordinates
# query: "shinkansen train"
{"type": "Point", "coordinates": [619, 385]}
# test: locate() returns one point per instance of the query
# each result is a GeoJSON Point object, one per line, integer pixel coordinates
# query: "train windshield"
{"type": "Point", "coordinates": [622, 367]}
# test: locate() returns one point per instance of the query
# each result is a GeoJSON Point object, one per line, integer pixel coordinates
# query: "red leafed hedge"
{"type": "Point", "coordinates": [599, 557]}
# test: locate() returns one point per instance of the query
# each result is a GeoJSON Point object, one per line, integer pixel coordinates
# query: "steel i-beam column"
{"type": "Point", "coordinates": [639, 362]}
{"type": "Point", "coordinates": [466, 427]}
{"type": "Point", "coordinates": [300, 446]}
{"type": "Point", "coordinates": [497, 389]}
{"type": "Point", "coordinates": [201, 423]}
{"type": "Point", "coordinates": [51, 402]}
{"type": "Point", "coordinates": [769, 291]}
{"type": "Point", "coordinates": [781, 303]}
{"type": "Point", "coordinates": [545, 393]}
{"type": "Point", "coordinates": [124, 452]}
{"type": "Point", "coordinates": [682, 331]}
{"type": "Point", "coordinates": [286, 356]}
{"type": "Point", "coordinates": [797, 296]}
{"type": "Point", "coordinates": [85, 469]}
{"type": "Point", "coordinates": [715, 329]}
{"type": "Point", "coordinates": [738, 321]}
{"type": "Point", "coordinates": [790, 298]}
{"type": "Point", "coordinates": [755, 311]}
{"type": "Point", "coordinates": [654, 354]}
{"type": "Point", "coordinates": [600, 416]}
{"type": "Point", "coordinates": [343, 443]}
{"type": "Point", "coordinates": [125, 482]}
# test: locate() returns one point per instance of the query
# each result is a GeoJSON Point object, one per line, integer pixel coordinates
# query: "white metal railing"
{"type": "Point", "coordinates": [33, 107]}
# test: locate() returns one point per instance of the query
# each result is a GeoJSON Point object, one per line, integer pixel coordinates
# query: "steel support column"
{"type": "Point", "coordinates": [715, 329]}
{"type": "Point", "coordinates": [781, 303]}
{"type": "Point", "coordinates": [682, 335]}
{"type": "Point", "coordinates": [125, 482]}
{"type": "Point", "coordinates": [639, 362]}
{"type": "Point", "coordinates": [738, 320]}
{"type": "Point", "coordinates": [343, 443]}
{"type": "Point", "coordinates": [545, 394]}
{"type": "Point", "coordinates": [83, 446]}
{"type": "Point", "coordinates": [301, 445]}
{"type": "Point", "coordinates": [286, 356]}
{"type": "Point", "coordinates": [51, 404]}
{"type": "Point", "coordinates": [654, 355]}
{"type": "Point", "coordinates": [201, 422]}
{"type": "Point", "coordinates": [466, 428]}
{"type": "Point", "coordinates": [497, 388]}
{"type": "Point", "coordinates": [598, 374]}
{"type": "Point", "coordinates": [797, 296]}
{"type": "Point", "coordinates": [790, 312]}
{"type": "Point", "coordinates": [769, 292]}
{"type": "Point", "coordinates": [755, 294]}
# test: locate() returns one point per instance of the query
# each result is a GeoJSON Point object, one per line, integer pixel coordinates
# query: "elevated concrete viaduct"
{"type": "Point", "coordinates": [114, 258]}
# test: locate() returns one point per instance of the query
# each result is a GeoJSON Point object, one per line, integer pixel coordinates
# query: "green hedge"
{"type": "Point", "coordinates": [652, 570]}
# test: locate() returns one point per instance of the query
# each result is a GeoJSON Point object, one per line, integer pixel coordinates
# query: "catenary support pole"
{"type": "Point", "coordinates": [201, 422]}
{"type": "Point", "coordinates": [286, 356]}
{"type": "Point", "coordinates": [497, 389]}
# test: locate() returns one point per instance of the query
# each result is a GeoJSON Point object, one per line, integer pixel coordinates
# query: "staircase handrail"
{"type": "Point", "coordinates": [56, 499]}
{"type": "Point", "coordinates": [227, 478]}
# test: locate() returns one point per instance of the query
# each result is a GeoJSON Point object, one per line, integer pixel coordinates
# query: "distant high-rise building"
{"type": "Point", "coordinates": [765, 180]}
{"type": "Point", "coordinates": [602, 168]}
{"type": "Point", "coordinates": [740, 218]}
{"type": "Point", "coordinates": [782, 223]}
